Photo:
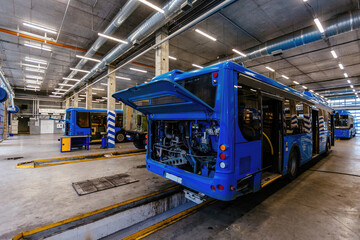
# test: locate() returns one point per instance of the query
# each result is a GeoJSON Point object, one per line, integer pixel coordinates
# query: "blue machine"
{"type": "Point", "coordinates": [226, 131]}
{"type": "Point", "coordinates": [92, 122]}
{"type": "Point", "coordinates": [344, 124]}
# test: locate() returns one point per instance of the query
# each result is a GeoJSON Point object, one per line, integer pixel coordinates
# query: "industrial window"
{"type": "Point", "coordinates": [83, 119]}
{"type": "Point", "coordinates": [119, 120]}
{"type": "Point", "coordinates": [202, 87]}
{"type": "Point", "coordinates": [249, 117]}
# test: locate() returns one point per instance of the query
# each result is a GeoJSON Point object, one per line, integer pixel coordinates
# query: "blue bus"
{"type": "Point", "coordinates": [226, 131]}
{"type": "Point", "coordinates": [344, 124]}
{"type": "Point", "coordinates": [82, 121]}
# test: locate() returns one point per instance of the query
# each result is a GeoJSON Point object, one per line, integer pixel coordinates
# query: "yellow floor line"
{"type": "Point", "coordinates": [26, 164]}
{"type": "Point", "coordinates": [167, 222]}
{"type": "Point", "coordinates": [46, 227]}
{"type": "Point", "coordinates": [270, 181]}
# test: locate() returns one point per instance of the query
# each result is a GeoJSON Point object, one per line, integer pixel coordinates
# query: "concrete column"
{"type": "Point", "coordinates": [161, 53]}
{"type": "Point", "coordinates": [111, 88]}
{"type": "Point", "coordinates": [88, 98]}
{"type": "Point", "coordinates": [76, 100]}
{"type": "Point", "coordinates": [272, 75]}
{"type": "Point", "coordinates": [67, 103]}
{"type": "Point", "coordinates": [111, 116]}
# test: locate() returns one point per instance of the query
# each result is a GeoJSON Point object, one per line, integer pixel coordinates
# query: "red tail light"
{"type": "Point", "coordinates": [222, 156]}
{"type": "Point", "coordinates": [213, 187]}
{"type": "Point", "coordinates": [220, 187]}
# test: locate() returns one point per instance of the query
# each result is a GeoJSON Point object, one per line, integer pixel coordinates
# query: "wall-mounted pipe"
{"type": "Point", "coordinates": [344, 23]}
{"type": "Point", "coordinates": [9, 88]}
{"type": "Point", "coordinates": [172, 35]}
{"type": "Point", "coordinates": [119, 19]}
{"type": "Point", "coordinates": [145, 29]}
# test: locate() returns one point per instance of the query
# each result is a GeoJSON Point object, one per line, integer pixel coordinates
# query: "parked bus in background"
{"type": "Point", "coordinates": [344, 124]}
{"type": "Point", "coordinates": [226, 131]}
{"type": "Point", "coordinates": [92, 122]}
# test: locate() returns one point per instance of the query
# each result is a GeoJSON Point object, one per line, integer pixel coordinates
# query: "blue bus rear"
{"type": "Point", "coordinates": [344, 124]}
{"type": "Point", "coordinates": [225, 130]}
{"type": "Point", "coordinates": [92, 122]}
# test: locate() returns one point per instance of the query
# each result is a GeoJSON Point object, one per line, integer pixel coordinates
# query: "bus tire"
{"type": "Point", "coordinates": [120, 137]}
{"type": "Point", "coordinates": [138, 144]}
{"type": "Point", "coordinates": [327, 146]}
{"type": "Point", "coordinates": [293, 165]}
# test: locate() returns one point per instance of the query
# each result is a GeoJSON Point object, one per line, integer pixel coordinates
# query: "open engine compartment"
{"type": "Point", "coordinates": [190, 145]}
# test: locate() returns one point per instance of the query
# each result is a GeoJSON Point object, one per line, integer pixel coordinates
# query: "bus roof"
{"type": "Point", "coordinates": [91, 110]}
{"type": "Point", "coordinates": [343, 112]}
{"type": "Point", "coordinates": [176, 75]}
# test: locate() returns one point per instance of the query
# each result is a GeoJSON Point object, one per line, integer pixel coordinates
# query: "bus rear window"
{"type": "Point", "coordinates": [83, 119]}
{"type": "Point", "coordinates": [202, 87]}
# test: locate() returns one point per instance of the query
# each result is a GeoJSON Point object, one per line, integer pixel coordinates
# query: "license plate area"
{"type": "Point", "coordinates": [173, 178]}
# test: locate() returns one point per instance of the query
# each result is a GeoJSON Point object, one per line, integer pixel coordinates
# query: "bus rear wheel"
{"type": "Point", "coordinates": [120, 137]}
{"type": "Point", "coordinates": [293, 165]}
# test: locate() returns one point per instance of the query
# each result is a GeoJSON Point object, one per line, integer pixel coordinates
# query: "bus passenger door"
{"type": "Point", "coordinates": [272, 139]}
{"type": "Point", "coordinates": [332, 130]}
{"type": "Point", "coordinates": [315, 131]}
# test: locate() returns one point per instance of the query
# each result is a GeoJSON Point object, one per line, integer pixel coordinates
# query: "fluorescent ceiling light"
{"type": "Point", "coordinates": [39, 27]}
{"type": "Point", "coordinates": [353, 90]}
{"type": "Point", "coordinates": [173, 58]}
{"type": "Point", "coordinates": [34, 77]}
{"type": "Point", "coordinates": [285, 77]}
{"type": "Point", "coordinates": [104, 97]}
{"type": "Point", "coordinates": [346, 75]}
{"type": "Point", "coordinates": [238, 52]}
{"type": "Point", "coordinates": [316, 94]}
{"type": "Point", "coordinates": [269, 68]}
{"type": "Point", "coordinates": [124, 78]}
{"type": "Point", "coordinates": [33, 81]}
{"type": "Point", "coordinates": [351, 86]}
{"type": "Point", "coordinates": [32, 86]}
{"type": "Point", "coordinates": [341, 66]}
{"type": "Point", "coordinates": [205, 34]}
{"type": "Point", "coordinates": [33, 60]}
{"type": "Point", "coordinates": [311, 90]}
{"type": "Point", "coordinates": [152, 6]}
{"type": "Point", "coordinates": [37, 47]}
{"type": "Point", "coordinates": [79, 70]}
{"type": "Point", "coordinates": [99, 89]}
{"type": "Point", "coordinates": [58, 93]}
{"type": "Point", "coordinates": [33, 66]}
{"type": "Point", "coordinates": [304, 87]}
{"type": "Point", "coordinates": [65, 84]}
{"type": "Point", "coordinates": [198, 66]}
{"type": "Point", "coordinates": [60, 89]}
{"type": "Point", "coordinates": [112, 38]}
{"type": "Point", "coordinates": [318, 24]}
{"type": "Point", "coordinates": [296, 82]}
{"type": "Point", "coordinates": [87, 58]}
{"type": "Point", "coordinates": [34, 70]}
{"type": "Point", "coordinates": [348, 81]}
{"type": "Point", "coordinates": [82, 95]}
{"type": "Point", "coordinates": [138, 70]}
{"type": "Point", "coordinates": [105, 84]}
{"type": "Point", "coordinates": [54, 96]}
{"type": "Point", "coordinates": [334, 54]}
{"type": "Point", "coordinates": [71, 79]}
{"type": "Point", "coordinates": [81, 98]}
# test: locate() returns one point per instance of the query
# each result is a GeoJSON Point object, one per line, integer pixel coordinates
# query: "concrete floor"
{"type": "Point", "coordinates": [30, 198]}
{"type": "Point", "coordinates": [322, 203]}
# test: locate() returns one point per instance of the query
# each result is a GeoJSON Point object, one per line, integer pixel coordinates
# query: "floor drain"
{"type": "Point", "coordinates": [13, 158]}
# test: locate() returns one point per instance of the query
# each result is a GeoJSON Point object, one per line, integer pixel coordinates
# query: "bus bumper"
{"type": "Point", "coordinates": [196, 182]}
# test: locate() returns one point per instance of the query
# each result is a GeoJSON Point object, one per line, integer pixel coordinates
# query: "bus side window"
{"type": "Point", "coordinates": [287, 117]}
{"type": "Point", "coordinates": [307, 119]}
{"type": "Point", "coordinates": [83, 119]}
{"type": "Point", "coordinates": [321, 120]}
{"type": "Point", "coordinates": [300, 117]}
{"type": "Point", "coordinates": [249, 113]}
{"type": "Point", "coordinates": [119, 120]}
{"type": "Point", "coordinates": [325, 120]}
